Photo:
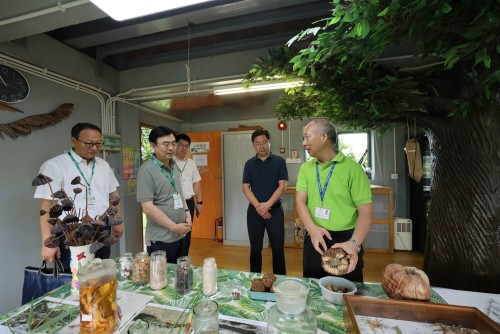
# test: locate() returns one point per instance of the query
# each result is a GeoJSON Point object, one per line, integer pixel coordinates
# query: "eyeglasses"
{"type": "Point", "coordinates": [183, 145]}
{"type": "Point", "coordinates": [98, 144]}
{"type": "Point", "coordinates": [264, 143]}
{"type": "Point", "coordinates": [166, 144]}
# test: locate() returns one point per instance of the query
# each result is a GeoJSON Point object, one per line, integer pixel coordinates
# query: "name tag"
{"type": "Point", "coordinates": [322, 213]}
{"type": "Point", "coordinates": [178, 201]}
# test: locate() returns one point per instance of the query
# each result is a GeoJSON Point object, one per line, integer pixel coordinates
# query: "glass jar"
{"type": "Point", "coordinates": [290, 314]}
{"type": "Point", "coordinates": [126, 261]}
{"type": "Point", "coordinates": [158, 270]}
{"type": "Point", "coordinates": [206, 317]}
{"type": "Point", "coordinates": [209, 276]}
{"type": "Point", "coordinates": [98, 308]}
{"type": "Point", "coordinates": [140, 270]}
{"type": "Point", "coordinates": [184, 275]}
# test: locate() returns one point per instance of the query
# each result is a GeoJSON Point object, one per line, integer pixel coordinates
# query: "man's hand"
{"type": "Point", "coordinates": [350, 248]}
{"type": "Point", "coordinates": [317, 238]}
{"type": "Point", "coordinates": [49, 254]}
{"type": "Point", "coordinates": [198, 209]}
{"type": "Point", "coordinates": [182, 229]}
{"type": "Point", "coordinates": [262, 208]}
{"type": "Point", "coordinates": [118, 230]}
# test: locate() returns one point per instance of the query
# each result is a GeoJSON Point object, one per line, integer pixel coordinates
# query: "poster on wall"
{"type": "Point", "coordinates": [131, 163]}
{"type": "Point", "coordinates": [200, 147]}
{"type": "Point", "coordinates": [132, 187]}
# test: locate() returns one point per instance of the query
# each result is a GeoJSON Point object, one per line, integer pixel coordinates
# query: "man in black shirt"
{"type": "Point", "coordinates": [264, 182]}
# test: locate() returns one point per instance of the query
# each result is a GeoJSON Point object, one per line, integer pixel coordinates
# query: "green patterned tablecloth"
{"type": "Point", "coordinates": [329, 316]}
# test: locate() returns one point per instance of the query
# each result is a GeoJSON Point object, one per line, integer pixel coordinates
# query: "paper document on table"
{"type": "Point", "coordinates": [155, 318]}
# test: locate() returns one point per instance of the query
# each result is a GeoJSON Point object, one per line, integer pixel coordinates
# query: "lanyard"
{"type": "Point", "coordinates": [81, 173]}
{"type": "Point", "coordinates": [170, 179]}
{"type": "Point", "coordinates": [322, 191]}
{"type": "Point", "coordinates": [182, 170]}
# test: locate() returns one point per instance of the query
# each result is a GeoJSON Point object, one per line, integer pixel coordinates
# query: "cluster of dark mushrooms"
{"type": "Point", "coordinates": [78, 227]}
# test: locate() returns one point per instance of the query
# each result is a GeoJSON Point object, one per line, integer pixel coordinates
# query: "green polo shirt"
{"type": "Point", "coordinates": [152, 185]}
{"type": "Point", "coordinates": [348, 188]}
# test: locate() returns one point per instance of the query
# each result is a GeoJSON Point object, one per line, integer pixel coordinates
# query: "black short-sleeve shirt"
{"type": "Point", "coordinates": [264, 176]}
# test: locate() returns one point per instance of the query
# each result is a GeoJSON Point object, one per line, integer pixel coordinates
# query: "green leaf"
{"type": "Point", "coordinates": [383, 12]}
{"type": "Point", "coordinates": [363, 28]}
{"type": "Point", "coordinates": [446, 8]}
{"type": "Point", "coordinates": [250, 304]}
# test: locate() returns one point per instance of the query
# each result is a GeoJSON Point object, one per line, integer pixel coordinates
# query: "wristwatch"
{"type": "Point", "coordinates": [354, 241]}
{"type": "Point", "coordinates": [199, 202]}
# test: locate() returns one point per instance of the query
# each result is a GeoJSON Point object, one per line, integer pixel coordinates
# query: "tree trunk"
{"type": "Point", "coordinates": [463, 237]}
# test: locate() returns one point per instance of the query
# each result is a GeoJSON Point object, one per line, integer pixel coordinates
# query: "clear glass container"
{"type": "Point", "coordinates": [140, 271]}
{"type": "Point", "coordinates": [209, 276]}
{"type": "Point", "coordinates": [158, 270]}
{"type": "Point", "coordinates": [98, 307]}
{"type": "Point", "coordinates": [126, 263]}
{"type": "Point", "coordinates": [290, 314]}
{"type": "Point", "coordinates": [184, 275]}
{"type": "Point", "coordinates": [206, 317]}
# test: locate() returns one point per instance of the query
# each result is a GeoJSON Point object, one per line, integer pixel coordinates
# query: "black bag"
{"type": "Point", "coordinates": [39, 281]}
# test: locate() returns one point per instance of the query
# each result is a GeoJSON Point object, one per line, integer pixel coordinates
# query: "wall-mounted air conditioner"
{"type": "Point", "coordinates": [403, 234]}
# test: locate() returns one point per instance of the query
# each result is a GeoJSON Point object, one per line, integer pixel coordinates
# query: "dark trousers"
{"type": "Point", "coordinates": [275, 227]}
{"type": "Point", "coordinates": [311, 260]}
{"type": "Point", "coordinates": [102, 253]}
{"type": "Point", "coordinates": [173, 249]}
{"type": "Point", "coordinates": [187, 239]}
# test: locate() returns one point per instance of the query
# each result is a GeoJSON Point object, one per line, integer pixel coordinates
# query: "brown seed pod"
{"type": "Point", "coordinates": [268, 280]}
{"type": "Point", "coordinates": [257, 285]}
{"type": "Point", "coordinates": [335, 261]}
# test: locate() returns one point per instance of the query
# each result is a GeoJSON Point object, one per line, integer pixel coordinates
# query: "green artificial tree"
{"type": "Point", "coordinates": [375, 64]}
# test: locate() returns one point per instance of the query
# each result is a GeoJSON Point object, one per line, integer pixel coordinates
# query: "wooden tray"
{"type": "Point", "coordinates": [424, 312]}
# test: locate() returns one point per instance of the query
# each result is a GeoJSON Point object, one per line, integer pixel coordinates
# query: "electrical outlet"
{"type": "Point", "coordinates": [394, 176]}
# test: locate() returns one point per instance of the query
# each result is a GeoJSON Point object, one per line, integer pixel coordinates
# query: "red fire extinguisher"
{"type": "Point", "coordinates": [219, 225]}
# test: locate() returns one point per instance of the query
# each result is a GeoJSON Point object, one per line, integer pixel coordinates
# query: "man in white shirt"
{"type": "Point", "coordinates": [190, 179]}
{"type": "Point", "coordinates": [95, 173]}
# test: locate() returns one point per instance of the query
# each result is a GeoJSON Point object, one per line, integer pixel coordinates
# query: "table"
{"type": "Point", "coordinates": [329, 316]}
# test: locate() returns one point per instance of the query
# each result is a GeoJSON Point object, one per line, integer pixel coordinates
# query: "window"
{"type": "Point", "coordinates": [356, 146]}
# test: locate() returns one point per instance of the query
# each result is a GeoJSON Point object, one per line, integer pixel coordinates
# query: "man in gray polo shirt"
{"type": "Point", "coordinates": [159, 191]}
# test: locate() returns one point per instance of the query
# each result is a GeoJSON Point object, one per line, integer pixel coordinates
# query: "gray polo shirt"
{"type": "Point", "coordinates": [153, 185]}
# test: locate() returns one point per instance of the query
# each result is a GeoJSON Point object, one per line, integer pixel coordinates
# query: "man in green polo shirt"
{"type": "Point", "coordinates": [333, 201]}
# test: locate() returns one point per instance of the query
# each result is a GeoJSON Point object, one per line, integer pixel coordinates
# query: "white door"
{"type": "Point", "coordinates": [237, 148]}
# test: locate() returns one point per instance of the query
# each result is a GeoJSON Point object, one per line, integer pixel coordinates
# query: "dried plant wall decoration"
{"type": "Point", "coordinates": [25, 126]}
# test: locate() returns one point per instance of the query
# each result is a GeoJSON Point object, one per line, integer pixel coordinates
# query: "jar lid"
{"type": "Point", "coordinates": [97, 268]}
{"type": "Point", "coordinates": [290, 287]}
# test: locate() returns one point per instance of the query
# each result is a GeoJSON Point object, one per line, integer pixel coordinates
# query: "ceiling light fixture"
{"type": "Point", "coordinates": [236, 89]}
{"type": "Point", "coordinates": [121, 10]}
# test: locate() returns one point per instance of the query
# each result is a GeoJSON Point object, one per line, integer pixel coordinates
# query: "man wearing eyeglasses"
{"type": "Point", "coordinates": [94, 172]}
{"type": "Point", "coordinates": [159, 191]}
{"type": "Point", "coordinates": [264, 182]}
{"type": "Point", "coordinates": [190, 179]}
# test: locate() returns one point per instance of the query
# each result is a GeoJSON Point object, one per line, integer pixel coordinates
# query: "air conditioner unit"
{"type": "Point", "coordinates": [403, 234]}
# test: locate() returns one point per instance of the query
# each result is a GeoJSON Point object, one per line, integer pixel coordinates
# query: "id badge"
{"type": "Point", "coordinates": [91, 202]}
{"type": "Point", "coordinates": [177, 201]}
{"type": "Point", "coordinates": [322, 213]}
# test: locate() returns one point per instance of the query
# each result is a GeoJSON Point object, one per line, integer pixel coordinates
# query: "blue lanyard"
{"type": "Point", "coordinates": [170, 179]}
{"type": "Point", "coordinates": [81, 173]}
{"type": "Point", "coordinates": [322, 191]}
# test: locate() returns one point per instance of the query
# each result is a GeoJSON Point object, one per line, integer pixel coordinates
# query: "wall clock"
{"type": "Point", "coordinates": [14, 87]}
